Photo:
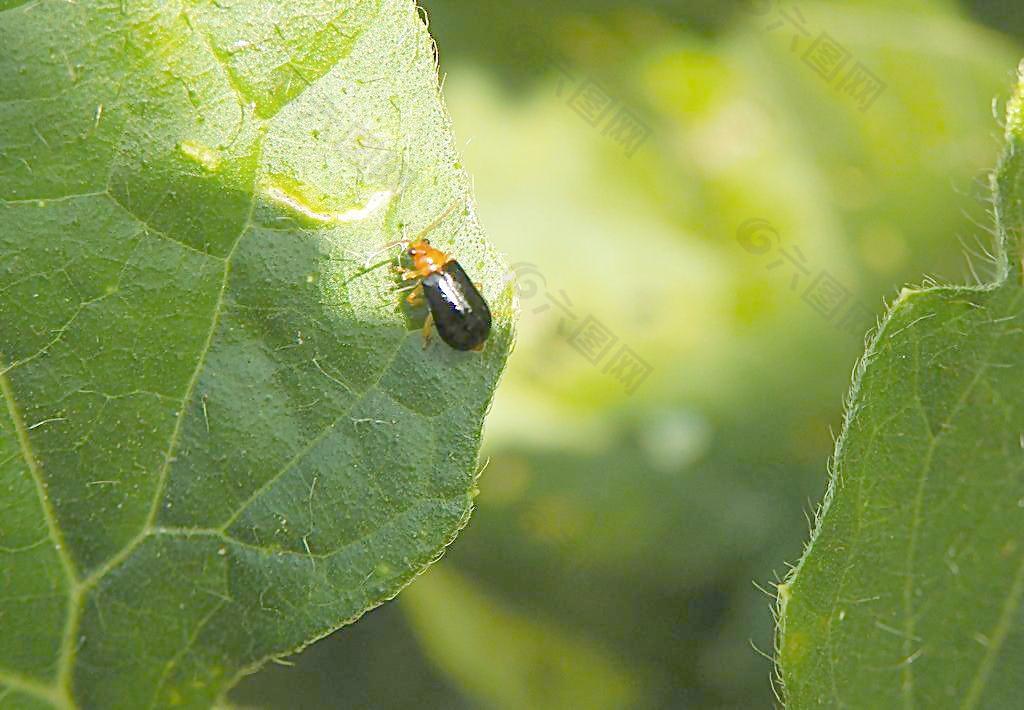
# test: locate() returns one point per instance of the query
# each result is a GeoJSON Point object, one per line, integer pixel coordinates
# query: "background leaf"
{"type": "Point", "coordinates": [508, 659]}
{"type": "Point", "coordinates": [910, 591]}
{"type": "Point", "coordinates": [221, 438]}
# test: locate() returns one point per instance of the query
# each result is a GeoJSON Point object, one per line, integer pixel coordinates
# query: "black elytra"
{"type": "Point", "coordinates": [460, 313]}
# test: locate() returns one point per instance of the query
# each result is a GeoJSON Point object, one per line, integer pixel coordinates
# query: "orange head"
{"type": "Point", "coordinates": [425, 258]}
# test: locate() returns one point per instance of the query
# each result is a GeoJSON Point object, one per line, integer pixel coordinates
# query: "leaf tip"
{"type": "Point", "coordinates": [904, 295]}
{"type": "Point", "coordinates": [1015, 108]}
{"type": "Point", "coordinates": [1008, 184]}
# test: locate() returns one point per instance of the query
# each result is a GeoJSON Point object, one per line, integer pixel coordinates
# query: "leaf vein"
{"type": "Point", "coordinates": [998, 638]}
{"type": "Point", "coordinates": [173, 660]}
{"type": "Point", "coordinates": [33, 466]}
{"type": "Point", "coordinates": [295, 460]}
{"type": "Point", "coordinates": [21, 684]}
{"type": "Point", "coordinates": [164, 235]}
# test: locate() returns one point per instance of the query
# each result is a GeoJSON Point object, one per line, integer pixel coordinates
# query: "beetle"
{"type": "Point", "coordinates": [458, 311]}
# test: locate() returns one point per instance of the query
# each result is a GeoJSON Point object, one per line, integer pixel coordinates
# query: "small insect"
{"type": "Point", "coordinates": [457, 310]}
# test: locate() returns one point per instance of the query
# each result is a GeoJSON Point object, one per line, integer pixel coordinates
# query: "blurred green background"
{"type": "Point", "coordinates": [620, 537]}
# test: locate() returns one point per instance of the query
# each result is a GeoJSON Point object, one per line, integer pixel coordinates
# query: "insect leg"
{"type": "Point", "coordinates": [415, 297]}
{"type": "Point", "coordinates": [428, 325]}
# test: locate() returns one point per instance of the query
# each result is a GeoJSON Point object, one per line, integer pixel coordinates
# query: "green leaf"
{"type": "Point", "coordinates": [220, 437]}
{"type": "Point", "coordinates": [910, 593]}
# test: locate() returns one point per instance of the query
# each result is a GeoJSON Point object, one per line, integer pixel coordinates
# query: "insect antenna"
{"type": "Point", "coordinates": [419, 235]}
{"type": "Point", "coordinates": [437, 222]}
{"type": "Point", "coordinates": [390, 245]}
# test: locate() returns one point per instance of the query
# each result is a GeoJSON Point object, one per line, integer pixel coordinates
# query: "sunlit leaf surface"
{"type": "Point", "coordinates": [221, 436]}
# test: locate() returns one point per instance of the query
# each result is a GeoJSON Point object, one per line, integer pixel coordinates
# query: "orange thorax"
{"type": "Point", "coordinates": [426, 259]}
